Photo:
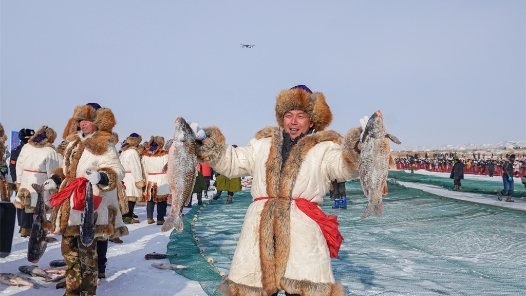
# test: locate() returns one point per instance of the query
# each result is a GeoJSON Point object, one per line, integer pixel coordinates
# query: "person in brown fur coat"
{"type": "Point", "coordinates": [286, 242]}
{"type": "Point", "coordinates": [90, 156]}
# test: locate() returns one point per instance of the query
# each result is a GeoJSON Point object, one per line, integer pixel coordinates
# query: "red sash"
{"type": "Point", "coordinates": [78, 188]}
{"type": "Point", "coordinates": [328, 223]}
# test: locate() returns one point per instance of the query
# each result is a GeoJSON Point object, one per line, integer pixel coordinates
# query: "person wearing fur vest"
{"type": "Point", "coordinates": [154, 160]}
{"type": "Point", "coordinates": [133, 180]}
{"type": "Point", "coordinates": [35, 164]}
{"type": "Point", "coordinates": [90, 156]}
{"type": "Point", "coordinates": [286, 242]}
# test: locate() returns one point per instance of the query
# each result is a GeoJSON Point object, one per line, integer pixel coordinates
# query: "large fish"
{"type": "Point", "coordinates": [14, 280]}
{"type": "Point", "coordinates": [37, 240]}
{"type": "Point", "coordinates": [87, 219]}
{"type": "Point", "coordinates": [182, 171]}
{"type": "Point", "coordinates": [34, 270]}
{"type": "Point", "coordinates": [374, 163]}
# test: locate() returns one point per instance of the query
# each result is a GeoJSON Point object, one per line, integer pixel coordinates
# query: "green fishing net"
{"type": "Point", "coordinates": [492, 186]}
{"type": "Point", "coordinates": [423, 244]}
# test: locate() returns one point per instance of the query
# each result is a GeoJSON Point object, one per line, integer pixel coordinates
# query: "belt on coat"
{"type": "Point", "coordinates": [328, 223]}
{"type": "Point", "coordinates": [32, 171]}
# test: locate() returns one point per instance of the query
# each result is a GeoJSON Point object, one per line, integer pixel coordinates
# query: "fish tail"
{"type": "Point", "coordinates": [173, 221]}
{"type": "Point", "coordinates": [168, 224]}
{"type": "Point", "coordinates": [373, 208]}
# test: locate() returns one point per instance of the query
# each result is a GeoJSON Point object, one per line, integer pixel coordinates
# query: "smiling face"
{"type": "Point", "coordinates": [296, 122]}
{"type": "Point", "coordinates": [87, 127]}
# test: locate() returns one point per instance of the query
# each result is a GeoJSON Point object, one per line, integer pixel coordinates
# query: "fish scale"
{"type": "Point", "coordinates": [374, 162]}
{"type": "Point", "coordinates": [37, 243]}
{"type": "Point", "coordinates": [181, 171]}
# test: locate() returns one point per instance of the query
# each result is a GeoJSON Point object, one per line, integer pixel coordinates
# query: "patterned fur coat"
{"type": "Point", "coordinates": [95, 152]}
{"type": "Point", "coordinates": [280, 247]}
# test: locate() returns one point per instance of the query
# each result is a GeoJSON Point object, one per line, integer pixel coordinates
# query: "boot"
{"type": "Point", "coordinates": [25, 232]}
{"type": "Point", "coordinates": [130, 220]}
{"type": "Point", "coordinates": [151, 221]}
{"type": "Point", "coordinates": [61, 285]}
{"type": "Point", "coordinates": [135, 215]}
{"type": "Point", "coordinates": [229, 199]}
{"type": "Point", "coordinates": [199, 199]}
{"type": "Point", "coordinates": [456, 188]}
{"type": "Point", "coordinates": [160, 222]}
{"type": "Point", "coordinates": [116, 240]}
{"type": "Point", "coordinates": [460, 187]}
{"type": "Point", "coordinates": [343, 202]}
{"type": "Point", "coordinates": [217, 195]}
{"type": "Point", "coordinates": [499, 196]}
{"type": "Point", "coordinates": [508, 199]}
{"type": "Point", "coordinates": [336, 203]}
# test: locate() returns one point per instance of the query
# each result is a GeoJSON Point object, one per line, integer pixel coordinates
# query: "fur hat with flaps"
{"type": "Point", "coordinates": [3, 137]}
{"type": "Point", "coordinates": [102, 117]}
{"type": "Point", "coordinates": [43, 136]}
{"type": "Point", "coordinates": [155, 143]}
{"type": "Point", "coordinates": [134, 139]}
{"type": "Point", "coordinates": [302, 98]}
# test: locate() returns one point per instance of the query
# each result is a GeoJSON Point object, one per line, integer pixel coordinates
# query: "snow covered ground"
{"type": "Point", "coordinates": [127, 272]}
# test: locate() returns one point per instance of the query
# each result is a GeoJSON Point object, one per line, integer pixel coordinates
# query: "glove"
{"type": "Point", "coordinates": [49, 184]}
{"type": "Point", "coordinates": [510, 178]}
{"type": "Point", "coordinates": [199, 133]}
{"type": "Point", "coordinates": [93, 177]}
{"type": "Point", "coordinates": [363, 122]}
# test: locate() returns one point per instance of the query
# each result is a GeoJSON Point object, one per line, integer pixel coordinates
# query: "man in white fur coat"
{"type": "Point", "coordinates": [134, 180]}
{"type": "Point", "coordinates": [90, 156]}
{"type": "Point", "coordinates": [35, 164]}
{"type": "Point", "coordinates": [286, 242]}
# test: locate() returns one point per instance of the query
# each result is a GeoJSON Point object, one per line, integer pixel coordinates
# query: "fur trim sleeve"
{"type": "Point", "coordinates": [350, 149]}
{"type": "Point", "coordinates": [214, 149]}
{"type": "Point", "coordinates": [112, 179]}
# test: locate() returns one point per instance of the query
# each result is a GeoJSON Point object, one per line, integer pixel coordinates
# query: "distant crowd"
{"type": "Point", "coordinates": [474, 163]}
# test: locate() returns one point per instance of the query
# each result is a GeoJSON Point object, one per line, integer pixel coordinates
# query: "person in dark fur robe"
{"type": "Point", "coordinates": [286, 242]}
{"type": "Point", "coordinates": [90, 156]}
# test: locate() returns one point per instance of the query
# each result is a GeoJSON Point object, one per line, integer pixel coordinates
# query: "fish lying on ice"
{"type": "Point", "coordinates": [87, 218]}
{"type": "Point", "coordinates": [14, 280]}
{"type": "Point", "coordinates": [374, 162]}
{"type": "Point", "coordinates": [57, 263]}
{"type": "Point", "coordinates": [33, 270]}
{"type": "Point", "coordinates": [181, 171]}
{"type": "Point", "coordinates": [168, 266]}
{"type": "Point", "coordinates": [37, 243]}
{"type": "Point", "coordinates": [154, 255]}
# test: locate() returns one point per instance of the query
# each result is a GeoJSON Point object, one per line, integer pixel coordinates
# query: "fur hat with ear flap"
{"type": "Point", "coordinates": [302, 98]}
{"type": "Point", "coordinates": [3, 137]}
{"type": "Point", "coordinates": [102, 117]}
{"type": "Point", "coordinates": [134, 139]}
{"type": "Point", "coordinates": [44, 136]}
{"type": "Point", "coordinates": [155, 143]}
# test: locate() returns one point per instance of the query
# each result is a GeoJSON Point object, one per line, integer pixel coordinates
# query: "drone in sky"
{"type": "Point", "coordinates": [247, 45]}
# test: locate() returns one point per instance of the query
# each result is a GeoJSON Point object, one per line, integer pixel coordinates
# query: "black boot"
{"type": "Point", "coordinates": [199, 199]}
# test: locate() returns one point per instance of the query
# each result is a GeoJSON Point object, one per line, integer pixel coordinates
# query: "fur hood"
{"type": "Point", "coordinates": [43, 137]}
{"type": "Point", "coordinates": [312, 103]}
{"type": "Point", "coordinates": [102, 117]}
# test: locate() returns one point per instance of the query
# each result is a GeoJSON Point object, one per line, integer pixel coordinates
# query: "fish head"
{"type": "Point", "coordinates": [375, 126]}
{"type": "Point", "coordinates": [183, 132]}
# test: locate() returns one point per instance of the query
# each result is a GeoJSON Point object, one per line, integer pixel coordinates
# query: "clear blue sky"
{"type": "Point", "coordinates": [442, 72]}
